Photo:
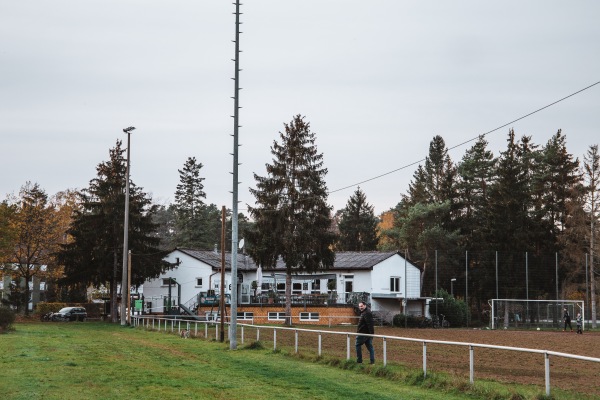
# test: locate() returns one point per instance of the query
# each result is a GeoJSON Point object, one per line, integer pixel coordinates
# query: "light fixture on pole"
{"type": "Point", "coordinates": [125, 277]}
{"type": "Point", "coordinates": [452, 286]}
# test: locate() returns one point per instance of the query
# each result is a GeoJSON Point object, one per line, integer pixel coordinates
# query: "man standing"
{"type": "Point", "coordinates": [365, 325]}
{"type": "Point", "coordinates": [567, 319]}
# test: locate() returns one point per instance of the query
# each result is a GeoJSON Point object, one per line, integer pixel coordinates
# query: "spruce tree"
{"type": "Point", "coordinates": [189, 207]}
{"type": "Point", "coordinates": [94, 257]}
{"type": "Point", "coordinates": [510, 227]}
{"type": "Point", "coordinates": [358, 224]}
{"type": "Point", "coordinates": [292, 217]}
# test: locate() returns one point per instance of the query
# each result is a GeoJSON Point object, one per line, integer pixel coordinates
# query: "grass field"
{"type": "Point", "coordinates": [105, 361]}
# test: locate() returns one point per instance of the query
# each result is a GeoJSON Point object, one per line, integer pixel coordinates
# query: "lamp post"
{"type": "Point", "coordinates": [452, 286]}
{"type": "Point", "coordinates": [125, 277]}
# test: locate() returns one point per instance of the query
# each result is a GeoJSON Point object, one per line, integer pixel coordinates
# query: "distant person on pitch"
{"type": "Point", "coordinates": [567, 319]}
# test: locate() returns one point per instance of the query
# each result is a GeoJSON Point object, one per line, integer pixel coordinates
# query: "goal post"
{"type": "Point", "coordinates": [528, 314]}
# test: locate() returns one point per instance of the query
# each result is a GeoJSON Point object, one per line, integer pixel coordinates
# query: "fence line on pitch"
{"type": "Point", "coordinates": [148, 322]}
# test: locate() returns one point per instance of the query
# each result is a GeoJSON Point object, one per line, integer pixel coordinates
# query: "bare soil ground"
{"type": "Point", "coordinates": [495, 364]}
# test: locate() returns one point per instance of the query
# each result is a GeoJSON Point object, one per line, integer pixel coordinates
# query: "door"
{"type": "Point", "coordinates": [348, 286]}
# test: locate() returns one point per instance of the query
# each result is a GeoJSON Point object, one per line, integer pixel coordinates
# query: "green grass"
{"type": "Point", "coordinates": [105, 361]}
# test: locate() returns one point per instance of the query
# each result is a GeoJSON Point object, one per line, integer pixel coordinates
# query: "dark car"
{"type": "Point", "coordinates": [70, 314]}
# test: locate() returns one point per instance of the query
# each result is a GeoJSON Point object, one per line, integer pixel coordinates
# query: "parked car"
{"type": "Point", "coordinates": [70, 314]}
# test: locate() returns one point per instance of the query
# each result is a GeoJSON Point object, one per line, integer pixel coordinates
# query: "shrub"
{"type": "Point", "coordinates": [454, 310]}
{"type": "Point", "coordinates": [400, 320]}
{"type": "Point", "coordinates": [7, 317]}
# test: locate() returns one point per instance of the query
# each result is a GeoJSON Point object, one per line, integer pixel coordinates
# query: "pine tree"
{"type": "Point", "coordinates": [95, 255]}
{"type": "Point", "coordinates": [292, 217]}
{"type": "Point", "coordinates": [358, 224]}
{"type": "Point", "coordinates": [475, 173]}
{"type": "Point", "coordinates": [510, 225]}
{"type": "Point", "coordinates": [189, 207]}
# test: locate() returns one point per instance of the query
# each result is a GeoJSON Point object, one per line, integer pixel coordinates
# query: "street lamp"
{"type": "Point", "coordinates": [452, 286]}
{"type": "Point", "coordinates": [125, 280]}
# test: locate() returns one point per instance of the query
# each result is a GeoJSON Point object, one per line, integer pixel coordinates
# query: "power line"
{"type": "Point", "coordinates": [468, 141]}
{"type": "Point", "coordinates": [463, 143]}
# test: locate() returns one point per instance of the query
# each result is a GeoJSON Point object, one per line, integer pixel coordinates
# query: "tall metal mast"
{"type": "Point", "coordinates": [234, 207]}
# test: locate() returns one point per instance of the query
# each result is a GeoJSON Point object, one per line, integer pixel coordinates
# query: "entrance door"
{"type": "Point", "coordinates": [348, 285]}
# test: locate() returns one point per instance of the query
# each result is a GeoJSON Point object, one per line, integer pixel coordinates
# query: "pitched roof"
{"type": "Point", "coordinates": [212, 258]}
{"type": "Point", "coordinates": [346, 260]}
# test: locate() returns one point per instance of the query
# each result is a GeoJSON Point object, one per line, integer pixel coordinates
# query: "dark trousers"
{"type": "Point", "coordinates": [368, 342]}
{"type": "Point", "coordinates": [568, 322]}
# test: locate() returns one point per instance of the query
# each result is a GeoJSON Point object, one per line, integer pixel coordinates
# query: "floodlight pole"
{"type": "Point", "coordinates": [234, 206]}
{"type": "Point", "coordinates": [124, 280]}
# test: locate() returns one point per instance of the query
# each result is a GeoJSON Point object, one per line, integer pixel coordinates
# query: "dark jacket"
{"type": "Point", "coordinates": [365, 323]}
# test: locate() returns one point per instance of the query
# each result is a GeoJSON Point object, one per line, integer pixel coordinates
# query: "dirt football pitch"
{"type": "Point", "coordinates": [502, 365]}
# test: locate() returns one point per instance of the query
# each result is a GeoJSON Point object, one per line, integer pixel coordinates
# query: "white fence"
{"type": "Point", "coordinates": [177, 325]}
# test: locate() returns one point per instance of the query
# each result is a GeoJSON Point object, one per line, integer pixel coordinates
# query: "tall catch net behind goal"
{"type": "Point", "coordinates": [532, 314]}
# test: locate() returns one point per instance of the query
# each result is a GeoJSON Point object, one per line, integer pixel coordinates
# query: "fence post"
{"type": "Point", "coordinates": [424, 359]}
{"type": "Point", "coordinates": [547, 373]}
{"type": "Point", "coordinates": [296, 341]}
{"type": "Point", "coordinates": [257, 334]}
{"type": "Point", "coordinates": [242, 333]}
{"type": "Point", "coordinates": [206, 330]}
{"type": "Point", "coordinates": [320, 344]}
{"type": "Point", "coordinates": [274, 339]}
{"type": "Point", "coordinates": [347, 347]}
{"type": "Point", "coordinates": [384, 352]}
{"type": "Point", "coordinates": [471, 366]}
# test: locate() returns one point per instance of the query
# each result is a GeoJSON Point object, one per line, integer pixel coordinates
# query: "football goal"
{"type": "Point", "coordinates": [518, 313]}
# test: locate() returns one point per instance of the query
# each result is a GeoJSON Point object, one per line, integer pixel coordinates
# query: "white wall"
{"type": "Point", "coordinates": [394, 266]}
{"type": "Point", "coordinates": [185, 274]}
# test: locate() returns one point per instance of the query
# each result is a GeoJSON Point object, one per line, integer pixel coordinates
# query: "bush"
{"type": "Point", "coordinates": [7, 317]}
{"type": "Point", "coordinates": [454, 310]}
{"type": "Point", "coordinates": [410, 321]}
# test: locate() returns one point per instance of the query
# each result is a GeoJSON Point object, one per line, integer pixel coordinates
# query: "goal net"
{"type": "Point", "coordinates": [518, 313]}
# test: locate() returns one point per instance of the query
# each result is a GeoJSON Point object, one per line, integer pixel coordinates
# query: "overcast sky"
{"type": "Point", "coordinates": [377, 80]}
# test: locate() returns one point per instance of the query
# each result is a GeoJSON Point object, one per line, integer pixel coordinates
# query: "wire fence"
{"type": "Point", "coordinates": [478, 277]}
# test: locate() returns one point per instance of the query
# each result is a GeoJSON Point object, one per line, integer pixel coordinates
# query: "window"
{"type": "Point", "coordinates": [296, 288]}
{"type": "Point", "coordinates": [281, 287]}
{"type": "Point", "coordinates": [198, 282]}
{"type": "Point", "coordinates": [395, 284]}
{"type": "Point", "coordinates": [309, 316]}
{"type": "Point", "coordinates": [316, 286]}
{"type": "Point", "coordinates": [276, 316]}
{"type": "Point", "coordinates": [165, 281]}
{"type": "Point", "coordinates": [245, 315]}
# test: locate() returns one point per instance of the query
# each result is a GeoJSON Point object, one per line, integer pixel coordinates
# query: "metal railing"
{"type": "Point", "coordinates": [156, 323]}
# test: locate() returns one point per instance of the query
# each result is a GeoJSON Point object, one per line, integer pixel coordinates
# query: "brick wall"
{"type": "Point", "coordinates": [327, 315]}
